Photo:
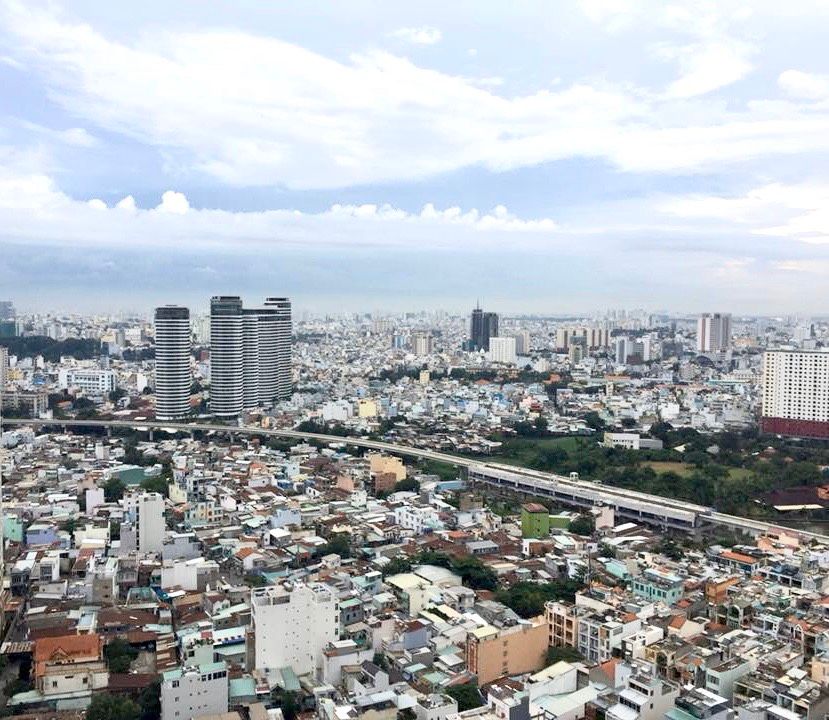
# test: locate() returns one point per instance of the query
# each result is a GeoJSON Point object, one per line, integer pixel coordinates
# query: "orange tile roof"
{"type": "Point", "coordinates": [81, 647]}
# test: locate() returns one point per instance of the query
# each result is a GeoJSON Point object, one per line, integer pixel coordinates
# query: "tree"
{"type": "Point", "coordinates": [114, 489]}
{"type": "Point", "coordinates": [407, 485]}
{"type": "Point", "coordinates": [527, 598]}
{"type": "Point", "coordinates": [157, 484]}
{"type": "Point", "coordinates": [607, 551]}
{"type": "Point", "coordinates": [380, 661]}
{"type": "Point", "coordinates": [112, 707]}
{"type": "Point", "coordinates": [567, 654]}
{"type": "Point", "coordinates": [117, 394]}
{"type": "Point", "coordinates": [397, 565]}
{"type": "Point", "coordinates": [119, 655]}
{"type": "Point", "coordinates": [337, 545]}
{"type": "Point", "coordinates": [582, 525]}
{"type": "Point", "coordinates": [150, 701]}
{"type": "Point", "coordinates": [467, 696]}
{"type": "Point", "coordinates": [475, 574]}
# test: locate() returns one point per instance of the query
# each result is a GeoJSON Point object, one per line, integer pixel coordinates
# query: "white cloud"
{"type": "Point", "coordinates": [321, 123]}
{"type": "Point", "coordinates": [97, 203]}
{"type": "Point", "coordinates": [127, 203]}
{"type": "Point", "coordinates": [424, 35]}
{"type": "Point", "coordinates": [172, 202]}
{"type": "Point", "coordinates": [804, 85]}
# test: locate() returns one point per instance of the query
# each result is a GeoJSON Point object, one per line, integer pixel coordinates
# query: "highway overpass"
{"type": "Point", "coordinates": [653, 510]}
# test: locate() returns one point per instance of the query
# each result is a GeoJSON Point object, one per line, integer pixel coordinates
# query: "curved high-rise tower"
{"type": "Point", "coordinates": [226, 356]}
{"type": "Point", "coordinates": [173, 376]}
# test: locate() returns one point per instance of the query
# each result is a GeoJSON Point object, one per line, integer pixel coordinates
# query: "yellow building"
{"type": "Point", "coordinates": [379, 464]}
{"type": "Point", "coordinates": [492, 654]}
{"type": "Point", "coordinates": [366, 409]}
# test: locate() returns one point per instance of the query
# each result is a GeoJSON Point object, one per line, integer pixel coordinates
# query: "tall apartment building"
{"type": "Point", "coordinates": [593, 338]}
{"type": "Point", "coordinates": [173, 376]}
{"type": "Point", "coordinates": [482, 327]}
{"type": "Point", "coordinates": [493, 653]}
{"type": "Point", "coordinates": [194, 691]}
{"type": "Point", "coordinates": [502, 350]}
{"type": "Point", "coordinates": [293, 624]}
{"type": "Point", "coordinates": [4, 367]}
{"type": "Point", "coordinates": [522, 342]}
{"type": "Point", "coordinates": [250, 354]}
{"type": "Point", "coordinates": [226, 359]}
{"type": "Point", "coordinates": [144, 516]}
{"type": "Point", "coordinates": [422, 344]}
{"type": "Point", "coordinates": [713, 332]}
{"type": "Point", "coordinates": [796, 393]}
{"type": "Point", "coordinates": [7, 310]}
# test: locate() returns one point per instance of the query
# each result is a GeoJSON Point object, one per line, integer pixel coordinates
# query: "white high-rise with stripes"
{"type": "Point", "coordinates": [173, 376]}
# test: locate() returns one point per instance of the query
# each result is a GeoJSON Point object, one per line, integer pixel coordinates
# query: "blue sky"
{"type": "Point", "coordinates": [545, 157]}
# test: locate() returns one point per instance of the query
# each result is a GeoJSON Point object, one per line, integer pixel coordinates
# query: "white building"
{"type": "Point", "coordinates": [145, 511]}
{"type": "Point", "coordinates": [293, 624]}
{"type": "Point", "coordinates": [502, 350]}
{"type": "Point", "coordinates": [713, 332]}
{"type": "Point", "coordinates": [4, 366]}
{"type": "Point", "coordinates": [522, 342]}
{"type": "Point", "coordinates": [92, 381]}
{"type": "Point", "coordinates": [173, 376]}
{"type": "Point", "coordinates": [190, 692]}
{"type": "Point", "coordinates": [796, 393]}
{"type": "Point", "coordinates": [226, 359]}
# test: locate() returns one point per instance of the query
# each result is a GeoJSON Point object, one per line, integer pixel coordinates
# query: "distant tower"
{"type": "Point", "coordinates": [172, 362]}
{"type": "Point", "coordinates": [482, 327]}
{"type": "Point", "coordinates": [226, 356]}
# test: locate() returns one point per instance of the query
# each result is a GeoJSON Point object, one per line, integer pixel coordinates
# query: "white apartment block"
{"type": "Point", "coordinates": [145, 511]}
{"type": "Point", "coordinates": [502, 350]}
{"type": "Point", "coordinates": [293, 624]}
{"type": "Point", "coordinates": [190, 692]}
{"type": "Point", "coordinates": [796, 392]}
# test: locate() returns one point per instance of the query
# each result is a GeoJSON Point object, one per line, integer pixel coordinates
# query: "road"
{"type": "Point", "coordinates": [521, 479]}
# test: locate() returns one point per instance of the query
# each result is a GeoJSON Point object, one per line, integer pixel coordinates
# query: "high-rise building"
{"type": "Point", "coordinates": [173, 376]}
{"type": "Point", "coordinates": [194, 691]}
{"type": "Point", "coordinates": [522, 342]}
{"type": "Point", "coordinates": [254, 346]}
{"type": "Point", "coordinates": [713, 332]}
{"type": "Point", "coordinates": [482, 327]}
{"type": "Point", "coordinates": [502, 350]}
{"type": "Point", "coordinates": [796, 393]}
{"type": "Point", "coordinates": [422, 344]}
{"type": "Point", "coordinates": [622, 349]}
{"type": "Point", "coordinates": [226, 356]}
{"type": "Point", "coordinates": [275, 344]}
{"type": "Point", "coordinates": [4, 367]}
{"type": "Point", "coordinates": [7, 310]}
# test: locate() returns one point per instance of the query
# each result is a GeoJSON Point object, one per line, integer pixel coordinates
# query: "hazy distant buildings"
{"type": "Point", "coordinates": [482, 327]}
{"type": "Point", "coordinates": [250, 354]}
{"type": "Point", "coordinates": [593, 338]}
{"type": "Point", "coordinates": [713, 332]}
{"type": "Point", "coordinates": [7, 310]}
{"type": "Point", "coordinates": [173, 377]}
{"type": "Point", "coordinates": [4, 367]}
{"type": "Point", "coordinates": [522, 342]}
{"type": "Point", "coordinates": [796, 393]}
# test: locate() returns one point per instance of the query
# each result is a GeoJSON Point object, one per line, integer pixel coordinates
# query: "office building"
{"type": "Point", "coordinates": [482, 327]}
{"type": "Point", "coordinates": [194, 691]}
{"type": "Point", "coordinates": [622, 349]}
{"type": "Point", "coordinates": [293, 624]}
{"type": "Point", "coordinates": [226, 355]}
{"type": "Point", "coordinates": [502, 350]}
{"type": "Point", "coordinates": [796, 393]}
{"type": "Point", "coordinates": [250, 355]}
{"type": "Point", "coordinates": [713, 332]}
{"type": "Point", "coordinates": [4, 367]}
{"type": "Point", "coordinates": [90, 381]}
{"type": "Point", "coordinates": [173, 376]}
{"type": "Point", "coordinates": [422, 344]}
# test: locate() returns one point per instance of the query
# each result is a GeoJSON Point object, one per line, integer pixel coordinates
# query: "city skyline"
{"type": "Point", "coordinates": [560, 157]}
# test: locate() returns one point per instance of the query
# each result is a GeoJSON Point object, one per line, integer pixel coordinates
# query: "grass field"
{"type": "Point", "coordinates": [684, 470]}
{"type": "Point", "coordinates": [520, 451]}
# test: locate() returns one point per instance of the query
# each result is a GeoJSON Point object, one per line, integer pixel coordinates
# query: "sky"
{"type": "Point", "coordinates": [543, 157]}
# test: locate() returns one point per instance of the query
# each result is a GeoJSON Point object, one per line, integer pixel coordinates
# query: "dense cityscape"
{"type": "Point", "coordinates": [233, 512]}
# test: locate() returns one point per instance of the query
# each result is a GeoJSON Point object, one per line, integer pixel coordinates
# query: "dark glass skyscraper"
{"type": "Point", "coordinates": [482, 327]}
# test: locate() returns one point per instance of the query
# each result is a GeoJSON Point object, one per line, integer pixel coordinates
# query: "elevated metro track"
{"type": "Point", "coordinates": [653, 510]}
